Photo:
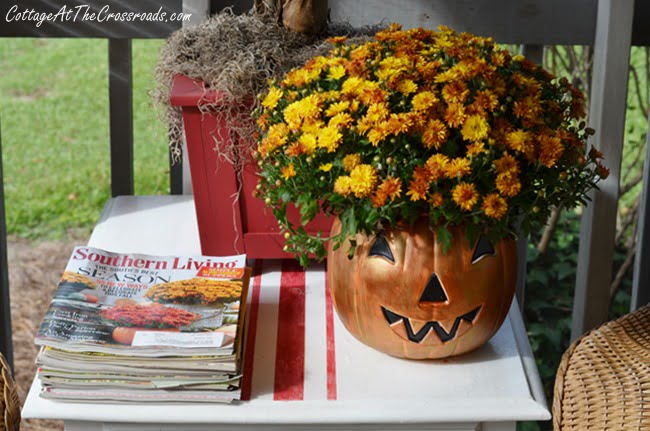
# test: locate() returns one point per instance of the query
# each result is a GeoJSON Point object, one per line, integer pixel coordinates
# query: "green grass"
{"type": "Point", "coordinates": [55, 132]}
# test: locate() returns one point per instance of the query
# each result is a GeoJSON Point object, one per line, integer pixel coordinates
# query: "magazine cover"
{"type": "Point", "coordinates": [146, 305]}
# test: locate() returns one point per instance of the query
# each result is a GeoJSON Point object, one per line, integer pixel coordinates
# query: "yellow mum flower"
{"type": "Point", "coordinates": [325, 167]}
{"type": "Point", "coordinates": [271, 100]}
{"type": "Point", "coordinates": [475, 149]}
{"type": "Point", "coordinates": [378, 134]}
{"type": "Point", "coordinates": [352, 85]}
{"type": "Point", "coordinates": [494, 206]}
{"type": "Point", "coordinates": [308, 141]}
{"type": "Point", "coordinates": [519, 140]}
{"type": "Point", "coordinates": [377, 112]}
{"type": "Point", "coordinates": [341, 120]}
{"type": "Point", "coordinates": [275, 138]}
{"type": "Point", "coordinates": [465, 196]}
{"type": "Point", "coordinates": [407, 86]}
{"type": "Point", "coordinates": [437, 166]}
{"type": "Point", "coordinates": [362, 180]}
{"type": "Point", "coordinates": [423, 100]}
{"type": "Point", "coordinates": [336, 72]}
{"type": "Point", "coordinates": [288, 171]}
{"type": "Point", "coordinates": [475, 128]}
{"type": "Point", "coordinates": [351, 161]}
{"type": "Point", "coordinates": [337, 108]}
{"type": "Point", "coordinates": [329, 138]}
{"type": "Point", "coordinates": [342, 185]}
{"type": "Point", "coordinates": [304, 110]}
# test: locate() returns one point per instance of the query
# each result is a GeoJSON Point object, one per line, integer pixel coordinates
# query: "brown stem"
{"type": "Point", "coordinates": [620, 274]}
{"type": "Point", "coordinates": [637, 86]}
{"type": "Point", "coordinates": [636, 160]}
{"type": "Point", "coordinates": [630, 184]}
{"type": "Point", "coordinates": [628, 219]}
{"type": "Point", "coordinates": [551, 224]}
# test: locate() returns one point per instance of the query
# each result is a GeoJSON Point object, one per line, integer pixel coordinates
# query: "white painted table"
{"type": "Point", "coordinates": [313, 384]}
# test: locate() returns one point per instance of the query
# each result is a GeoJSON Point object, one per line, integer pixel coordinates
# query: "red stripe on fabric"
{"type": "Point", "coordinates": [290, 349]}
{"type": "Point", "coordinates": [331, 347]}
{"type": "Point", "coordinates": [249, 348]}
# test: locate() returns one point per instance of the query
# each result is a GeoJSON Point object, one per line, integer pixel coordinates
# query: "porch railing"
{"type": "Point", "coordinates": [611, 26]}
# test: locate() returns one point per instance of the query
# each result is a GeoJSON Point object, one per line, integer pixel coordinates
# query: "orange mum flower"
{"type": "Point", "coordinates": [455, 92]}
{"type": "Point", "coordinates": [508, 184]}
{"type": "Point", "coordinates": [458, 168]}
{"type": "Point", "coordinates": [390, 187]}
{"type": "Point", "coordinates": [506, 164]}
{"type": "Point", "coordinates": [435, 134]}
{"type": "Point", "coordinates": [494, 206]}
{"type": "Point", "coordinates": [288, 171]}
{"type": "Point", "coordinates": [419, 185]}
{"type": "Point", "coordinates": [437, 200]}
{"type": "Point", "coordinates": [465, 196]}
{"type": "Point", "coordinates": [550, 150]}
{"type": "Point", "coordinates": [455, 114]}
{"type": "Point", "coordinates": [423, 100]}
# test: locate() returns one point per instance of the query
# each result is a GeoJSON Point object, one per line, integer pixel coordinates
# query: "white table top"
{"type": "Point", "coordinates": [498, 382]}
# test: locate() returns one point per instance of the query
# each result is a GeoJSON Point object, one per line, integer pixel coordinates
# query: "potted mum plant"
{"type": "Point", "coordinates": [430, 147]}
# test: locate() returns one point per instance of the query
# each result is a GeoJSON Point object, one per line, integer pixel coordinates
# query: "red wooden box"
{"type": "Point", "coordinates": [227, 225]}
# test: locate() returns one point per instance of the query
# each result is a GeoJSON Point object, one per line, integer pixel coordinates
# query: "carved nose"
{"type": "Point", "coordinates": [433, 292]}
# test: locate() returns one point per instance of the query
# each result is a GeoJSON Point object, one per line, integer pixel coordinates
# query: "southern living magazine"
{"type": "Point", "coordinates": [125, 327]}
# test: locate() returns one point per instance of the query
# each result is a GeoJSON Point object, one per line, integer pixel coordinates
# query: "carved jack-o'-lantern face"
{"type": "Point", "coordinates": [402, 295]}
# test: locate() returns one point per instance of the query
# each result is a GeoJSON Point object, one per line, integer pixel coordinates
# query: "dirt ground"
{"type": "Point", "coordinates": [34, 272]}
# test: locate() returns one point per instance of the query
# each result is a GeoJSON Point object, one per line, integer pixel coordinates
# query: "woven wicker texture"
{"type": "Point", "coordinates": [603, 381]}
{"type": "Point", "coordinates": [9, 402]}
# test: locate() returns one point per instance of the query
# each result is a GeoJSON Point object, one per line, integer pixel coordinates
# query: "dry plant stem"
{"type": "Point", "coordinates": [637, 161]}
{"type": "Point", "coordinates": [628, 219]}
{"type": "Point", "coordinates": [549, 229]}
{"type": "Point", "coordinates": [620, 274]}
{"type": "Point", "coordinates": [639, 94]}
{"type": "Point", "coordinates": [625, 188]}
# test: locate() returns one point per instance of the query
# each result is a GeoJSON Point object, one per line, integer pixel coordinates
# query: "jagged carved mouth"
{"type": "Point", "coordinates": [395, 320]}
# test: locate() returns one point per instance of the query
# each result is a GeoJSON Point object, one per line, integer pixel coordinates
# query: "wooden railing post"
{"type": "Point", "coordinates": [120, 90]}
{"type": "Point", "coordinates": [607, 117]}
{"type": "Point", "coordinates": [6, 345]}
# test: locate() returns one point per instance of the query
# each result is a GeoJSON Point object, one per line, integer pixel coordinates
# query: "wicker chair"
{"type": "Point", "coordinates": [9, 402]}
{"type": "Point", "coordinates": [603, 382]}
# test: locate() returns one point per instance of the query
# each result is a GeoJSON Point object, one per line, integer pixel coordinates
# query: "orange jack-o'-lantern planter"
{"type": "Point", "coordinates": [401, 295]}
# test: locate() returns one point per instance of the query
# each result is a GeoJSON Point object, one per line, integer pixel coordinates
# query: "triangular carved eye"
{"type": "Point", "coordinates": [381, 248]}
{"type": "Point", "coordinates": [483, 248]}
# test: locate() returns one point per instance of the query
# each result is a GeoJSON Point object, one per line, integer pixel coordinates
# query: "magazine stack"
{"type": "Point", "coordinates": [138, 328]}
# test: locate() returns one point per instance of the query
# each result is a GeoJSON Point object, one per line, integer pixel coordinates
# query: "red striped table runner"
{"type": "Point", "coordinates": [289, 348]}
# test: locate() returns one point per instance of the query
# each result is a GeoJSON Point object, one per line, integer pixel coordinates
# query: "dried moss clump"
{"type": "Point", "coordinates": [237, 55]}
